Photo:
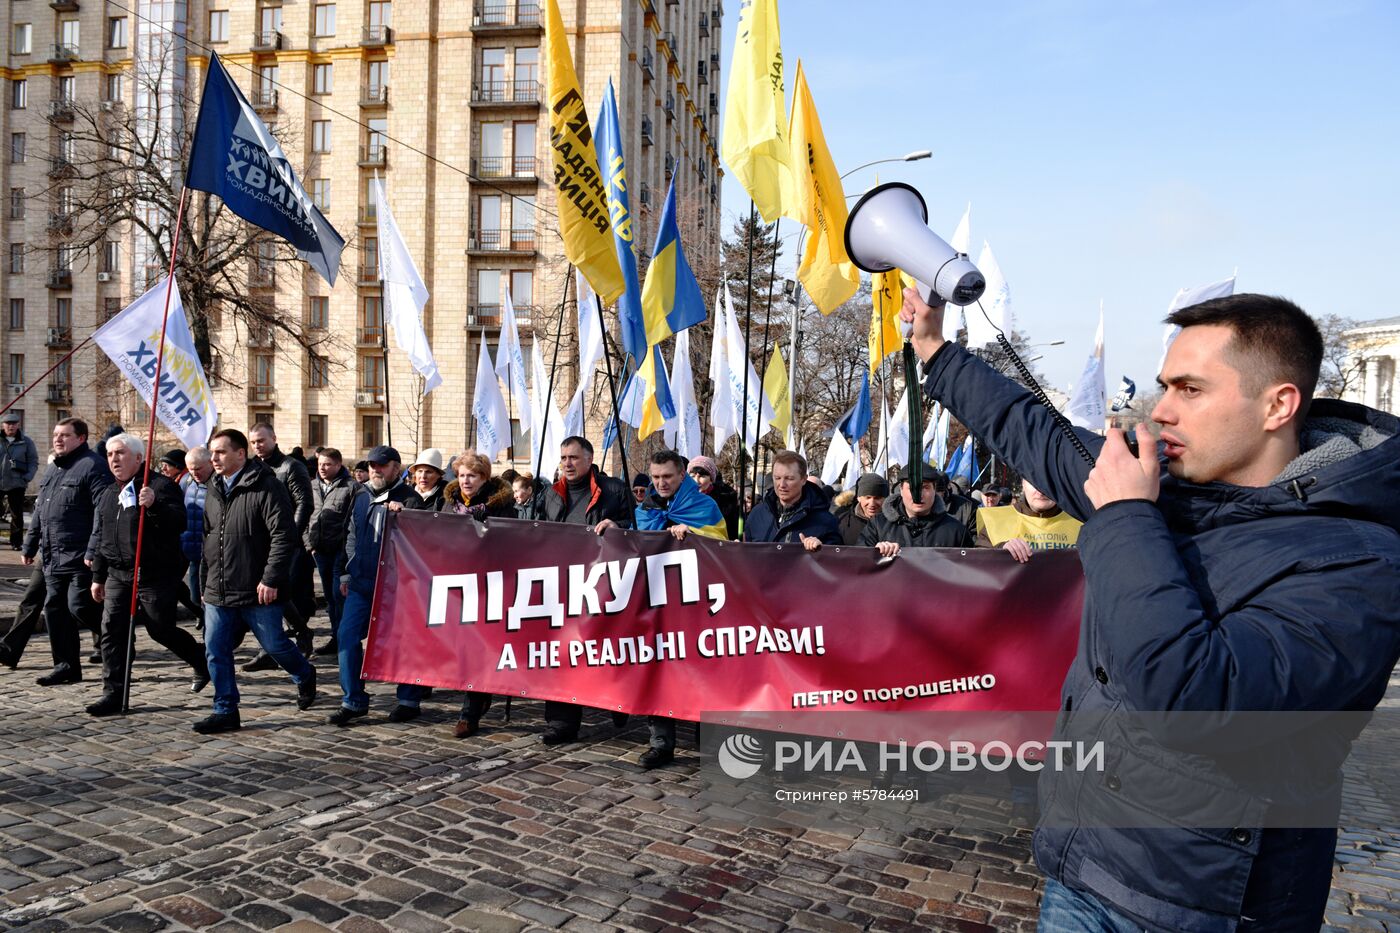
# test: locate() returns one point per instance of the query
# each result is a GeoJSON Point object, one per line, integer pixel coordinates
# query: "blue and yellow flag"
{"type": "Point", "coordinates": [614, 171]}
{"type": "Point", "coordinates": [689, 507]}
{"type": "Point", "coordinates": [671, 299]}
{"type": "Point", "coordinates": [646, 400]}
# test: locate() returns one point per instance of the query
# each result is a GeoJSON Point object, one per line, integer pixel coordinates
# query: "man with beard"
{"type": "Point", "coordinates": [362, 542]}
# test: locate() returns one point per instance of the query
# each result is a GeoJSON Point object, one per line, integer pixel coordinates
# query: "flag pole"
{"type": "Point", "coordinates": [35, 384]}
{"type": "Point", "coordinates": [548, 401]}
{"type": "Point", "coordinates": [150, 444]}
{"type": "Point", "coordinates": [767, 321]}
{"type": "Point", "coordinates": [748, 328]}
{"type": "Point", "coordinates": [384, 345]}
{"type": "Point", "coordinates": [612, 388]}
{"type": "Point", "coordinates": [471, 418]}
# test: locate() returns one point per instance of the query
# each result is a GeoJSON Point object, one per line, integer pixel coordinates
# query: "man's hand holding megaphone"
{"type": "Point", "coordinates": [927, 323]}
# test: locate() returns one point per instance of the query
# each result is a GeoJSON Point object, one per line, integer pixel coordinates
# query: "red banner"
{"type": "Point", "coordinates": [638, 622]}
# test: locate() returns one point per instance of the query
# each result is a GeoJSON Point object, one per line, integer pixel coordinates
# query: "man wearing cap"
{"type": "Point", "coordinates": [298, 603]}
{"type": "Point", "coordinates": [705, 472]}
{"type": "Point", "coordinates": [19, 460]}
{"type": "Point", "coordinates": [902, 522]}
{"type": "Point", "coordinates": [871, 491]}
{"type": "Point", "coordinates": [362, 541]}
{"type": "Point", "coordinates": [639, 487]}
{"type": "Point", "coordinates": [172, 467]}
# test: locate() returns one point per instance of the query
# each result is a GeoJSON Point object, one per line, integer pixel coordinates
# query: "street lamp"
{"type": "Point", "coordinates": [911, 157]}
{"type": "Point", "coordinates": [1053, 343]}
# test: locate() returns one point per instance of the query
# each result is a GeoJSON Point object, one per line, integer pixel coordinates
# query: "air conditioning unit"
{"type": "Point", "coordinates": [15, 388]}
{"type": "Point", "coordinates": [104, 276]}
{"type": "Point", "coordinates": [366, 398]}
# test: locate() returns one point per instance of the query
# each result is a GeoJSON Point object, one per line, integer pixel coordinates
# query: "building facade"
{"type": "Point", "coordinates": [1374, 348]}
{"type": "Point", "coordinates": [440, 99]}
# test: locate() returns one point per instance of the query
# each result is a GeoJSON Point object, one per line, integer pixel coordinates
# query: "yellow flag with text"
{"type": "Point", "coordinates": [775, 386]}
{"type": "Point", "coordinates": [583, 201]}
{"type": "Point", "coordinates": [887, 297]}
{"type": "Point", "coordinates": [819, 202]}
{"type": "Point", "coordinates": [755, 141]}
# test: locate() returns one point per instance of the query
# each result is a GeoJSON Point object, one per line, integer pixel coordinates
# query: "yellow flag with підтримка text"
{"type": "Point", "coordinates": [819, 202]}
{"type": "Point", "coordinates": [583, 201]}
{"type": "Point", "coordinates": [755, 140]}
{"type": "Point", "coordinates": [886, 297]}
{"type": "Point", "coordinates": [775, 386]}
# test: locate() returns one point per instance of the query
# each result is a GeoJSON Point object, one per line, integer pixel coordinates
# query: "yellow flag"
{"type": "Point", "coordinates": [583, 201]}
{"type": "Point", "coordinates": [755, 143]}
{"type": "Point", "coordinates": [775, 386]}
{"type": "Point", "coordinates": [819, 202]}
{"type": "Point", "coordinates": [887, 297]}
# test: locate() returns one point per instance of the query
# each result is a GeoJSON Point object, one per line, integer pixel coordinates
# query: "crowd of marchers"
{"type": "Point", "coordinates": [242, 535]}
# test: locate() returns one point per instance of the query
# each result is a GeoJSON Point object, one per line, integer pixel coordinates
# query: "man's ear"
{"type": "Point", "coordinates": [1283, 404]}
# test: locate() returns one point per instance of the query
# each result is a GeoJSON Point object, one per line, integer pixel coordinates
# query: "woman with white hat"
{"type": "Point", "coordinates": [428, 480]}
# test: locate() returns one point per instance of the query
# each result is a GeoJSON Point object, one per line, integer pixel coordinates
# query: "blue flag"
{"type": "Point", "coordinates": [235, 157]}
{"type": "Point", "coordinates": [856, 421]}
{"type": "Point", "coordinates": [608, 141]}
{"type": "Point", "coordinates": [1126, 390]}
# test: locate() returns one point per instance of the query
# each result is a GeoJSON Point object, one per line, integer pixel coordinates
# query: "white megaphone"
{"type": "Point", "coordinates": [888, 228]}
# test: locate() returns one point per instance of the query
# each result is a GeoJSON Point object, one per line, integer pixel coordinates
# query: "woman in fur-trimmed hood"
{"type": "Point", "coordinates": [475, 491]}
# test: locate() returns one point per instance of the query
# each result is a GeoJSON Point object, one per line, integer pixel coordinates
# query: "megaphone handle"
{"type": "Point", "coordinates": [915, 422]}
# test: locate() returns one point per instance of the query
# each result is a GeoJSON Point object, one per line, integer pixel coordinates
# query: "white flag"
{"type": "Point", "coordinates": [962, 237]}
{"type": "Point", "coordinates": [489, 409]}
{"type": "Point", "coordinates": [132, 338]}
{"type": "Point", "coordinates": [547, 437]}
{"type": "Point", "coordinates": [688, 441]}
{"type": "Point", "coordinates": [722, 408]}
{"type": "Point", "coordinates": [752, 420]}
{"type": "Point", "coordinates": [838, 456]}
{"type": "Point", "coordinates": [573, 418]}
{"type": "Point", "coordinates": [953, 322]}
{"type": "Point", "coordinates": [899, 431]}
{"type": "Point", "coordinates": [935, 438]}
{"type": "Point", "coordinates": [404, 293]}
{"type": "Point", "coordinates": [590, 333]}
{"type": "Point", "coordinates": [1185, 298]}
{"type": "Point", "coordinates": [881, 463]}
{"type": "Point", "coordinates": [510, 362]}
{"type": "Point", "coordinates": [1090, 399]}
{"type": "Point", "coordinates": [995, 302]}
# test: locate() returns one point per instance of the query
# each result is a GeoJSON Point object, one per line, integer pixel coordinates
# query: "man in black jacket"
{"type": "Point", "coordinates": [901, 522]}
{"type": "Point", "coordinates": [58, 537]}
{"type": "Point", "coordinates": [583, 496]}
{"type": "Point", "coordinates": [19, 461]}
{"type": "Point", "coordinates": [298, 603]}
{"type": "Point", "coordinates": [162, 569]}
{"type": "Point", "coordinates": [333, 495]}
{"type": "Point", "coordinates": [249, 540]}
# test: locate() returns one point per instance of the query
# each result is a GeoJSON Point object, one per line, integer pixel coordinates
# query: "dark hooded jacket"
{"type": "Point", "coordinates": [61, 525]}
{"type": "Point", "coordinates": [810, 517]}
{"type": "Point", "coordinates": [114, 537]}
{"type": "Point", "coordinates": [1215, 600]}
{"type": "Point", "coordinates": [294, 475]}
{"type": "Point", "coordinates": [892, 523]}
{"type": "Point", "coordinates": [249, 537]}
{"type": "Point", "coordinates": [493, 500]}
{"type": "Point", "coordinates": [366, 535]}
{"type": "Point", "coordinates": [608, 498]}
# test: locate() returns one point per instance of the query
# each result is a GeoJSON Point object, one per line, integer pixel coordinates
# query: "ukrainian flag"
{"type": "Point", "coordinates": [671, 299]}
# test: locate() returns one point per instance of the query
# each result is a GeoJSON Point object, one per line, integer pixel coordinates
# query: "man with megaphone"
{"type": "Point", "coordinates": [1249, 563]}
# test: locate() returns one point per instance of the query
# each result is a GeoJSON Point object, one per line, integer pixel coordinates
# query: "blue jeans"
{"type": "Point", "coordinates": [349, 638]}
{"type": "Point", "coordinates": [1065, 910]}
{"type": "Point", "coordinates": [331, 566]}
{"type": "Point", "coordinates": [223, 630]}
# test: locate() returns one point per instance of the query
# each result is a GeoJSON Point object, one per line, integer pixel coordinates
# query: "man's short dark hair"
{"type": "Point", "coordinates": [791, 458]}
{"type": "Point", "coordinates": [330, 453]}
{"type": "Point", "coordinates": [235, 437]}
{"type": "Point", "coordinates": [78, 425]}
{"type": "Point", "coordinates": [668, 456]}
{"type": "Point", "coordinates": [1274, 340]}
{"type": "Point", "coordinates": [580, 441]}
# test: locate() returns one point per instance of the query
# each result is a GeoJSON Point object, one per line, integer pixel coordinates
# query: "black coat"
{"type": "Point", "coordinates": [61, 526]}
{"type": "Point", "coordinates": [852, 523]}
{"type": "Point", "coordinates": [494, 499]}
{"type": "Point", "coordinates": [249, 537]}
{"type": "Point", "coordinates": [19, 461]}
{"type": "Point", "coordinates": [432, 502]}
{"type": "Point", "coordinates": [937, 529]}
{"type": "Point", "coordinates": [293, 474]}
{"type": "Point", "coordinates": [963, 509]}
{"type": "Point", "coordinates": [114, 537]}
{"type": "Point", "coordinates": [728, 501]}
{"type": "Point", "coordinates": [811, 518]}
{"type": "Point", "coordinates": [611, 498]}
{"type": "Point", "coordinates": [330, 514]}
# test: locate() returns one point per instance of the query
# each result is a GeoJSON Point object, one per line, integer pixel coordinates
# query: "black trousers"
{"type": "Point", "coordinates": [31, 606]}
{"type": "Point", "coordinates": [68, 604]}
{"type": "Point", "coordinates": [475, 705]}
{"type": "Point", "coordinates": [155, 609]}
{"type": "Point", "coordinates": [14, 505]}
{"type": "Point", "coordinates": [567, 715]}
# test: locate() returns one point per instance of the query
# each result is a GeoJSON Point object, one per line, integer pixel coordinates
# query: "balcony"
{"type": "Point", "coordinates": [368, 216]}
{"type": "Point", "coordinates": [60, 167]}
{"type": "Point", "coordinates": [259, 337]}
{"type": "Point", "coordinates": [488, 315]}
{"type": "Point", "coordinates": [372, 156]}
{"type": "Point", "coordinates": [646, 131]}
{"type": "Point", "coordinates": [670, 106]}
{"type": "Point", "coordinates": [62, 111]}
{"type": "Point", "coordinates": [503, 18]}
{"type": "Point", "coordinates": [264, 98]}
{"type": "Point", "coordinates": [647, 61]}
{"type": "Point", "coordinates": [369, 335]}
{"type": "Point", "coordinates": [261, 395]}
{"type": "Point", "coordinates": [714, 102]}
{"type": "Point", "coordinates": [369, 398]}
{"type": "Point", "coordinates": [60, 223]}
{"type": "Point", "coordinates": [373, 37]}
{"type": "Point", "coordinates": [702, 73]}
{"type": "Point", "coordinates": [374, 95]}
{"type": "Point", "coordinates": [368, 275]}
{"type": "Point", "coordinates": [668, 42]}
{"type": "Point", "coordinates": [704, 24]}
{"type": "Point", "coordinates": [60, 393]}
{"type": "Point", "coordinates": [644, 195]}
{"type": "Point", "coordinates": [262, 277]}
{"type": "Point", "coordinates": [495, 240]}
{"type": "Point", "coordinates": [506, 168]}
{"type": "Point", "coordinates": [507, 92]}
{"type": "Point", "coordinates": [60, 278]}
{"type": "Point", "coordinates": [60, 338]}
{"type": "Point", "coordinates": [267, 40]}
{"type": "Point", "coordinates": [64, 6]}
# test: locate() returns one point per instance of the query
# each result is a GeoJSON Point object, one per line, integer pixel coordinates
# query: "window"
{"type": "Point", "coordinates": [377, 75]}
{"type": "Point", "coordinates": [66, 89]}
{"type": "Point", "coordinates": [68, 149]}
{"type": "Point", "coordinates": [267, 82]}
{"type": "Point", "coordinates": [321, 193]}
{"type": "Point", "coordinates": [16, 148]}
{"type": "Point", "coordinates": [63, 258]}
{"type": "Point", "coordinates": [317, 431]}
{"type": "Point", "coordinates": [371, 428]}
{"type": "Point", "coordinates": [270, 22]}
{"type": "Point", "coordinates": [372, 373]}
{"type": "Point", "coordinates": [522, 223]}
{"type": "Point", "coordinates": [62, 313]}
{"type": "Point", "coordinates": [523, 149]}
{"type": "Point", "coordinates": [380, 13]}
{"type": "Point", "coordinates": [320, 136]}
{"type": "Point", "coordinates": [319, 314]}
{"type": "Point", "coordinates": [19, 94]}
{"type": "Point", "coordinates": [493, 74]}
{"type": "Point", "coordinates": [16, 259]}
{"type": "Point", "coordinates": [318, 371]}
{"type": "Point", "coordinates": [16, 203]}
{"type": "Point", "coordinates": [15, 371]}
{"type": "Point", "coordinates": [114, 87]}
{"type": "Point", "coordinates": [111, 256]}
{"type": "Point", "coordinates": [68, 29]}
{"type": "Point", "coordinates": [378, 135]}
{"type": "Point", "coordinates": [67, 202]}
{"type": "Point", "coordinates": [522, 288]}
{"type": "Point", "coordinates": [492, 163]}
{"type": "Point", "coordinates": [488, 222]}
{"type": "Point", "coordinates": [321, 79]}
{"type": "Point", "coordinates": [369, 257]}
{"type": "Point", "coordinates": [20, 38]}
{"type": "Point", "coordinates": [371, 212]}
{"type": "Point", "coordinates": [527, 68]}
{"type": "Point", "coordinates": [262, 370]}
{"type": "Point", "coordinates": [16, 320]}
{"type": "Point", "coordinates": [116, 32]}
{"type": "Point", "coordinates": [265, 263]}
{"type": "Point", "coordinates": [488, 292]}
{"type": "Point", "coordinates": [325, 19]}
{"type": "Point", "coordinates": [111, 307]}
{"type": "Point", "coordinates": [371, 319]}
{"type": "Point", "coordinates": [218, 25]}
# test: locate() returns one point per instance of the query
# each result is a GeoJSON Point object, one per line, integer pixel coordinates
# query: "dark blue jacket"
{"type": "Point", "coordinates": [61, 526]}
{"type": "Point", "coordinates": [1216, 600]}
{"type": "Point", "coordinates": [366, 533]}
{"type": "Point", "coordinates": [19, 461]}
{"type": "Point", "coordinates": [810, 518]}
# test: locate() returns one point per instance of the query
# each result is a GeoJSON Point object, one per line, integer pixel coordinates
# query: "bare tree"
{"type": "Point", "coordinates": [1343, 360]}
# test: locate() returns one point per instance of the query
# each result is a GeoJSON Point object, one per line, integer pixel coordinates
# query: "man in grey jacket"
{"type": "Point", "coordinates": [333, 495]}
{"type": "Point", "coordinates": [19, 461]}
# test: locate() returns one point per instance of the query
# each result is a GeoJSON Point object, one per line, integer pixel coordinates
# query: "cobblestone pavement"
{"type": "Point", "coordinates": [135, 823]}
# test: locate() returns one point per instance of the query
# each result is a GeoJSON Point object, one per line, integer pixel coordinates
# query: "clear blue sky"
{"type": "Point", "coordinates": [1121, 150]}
